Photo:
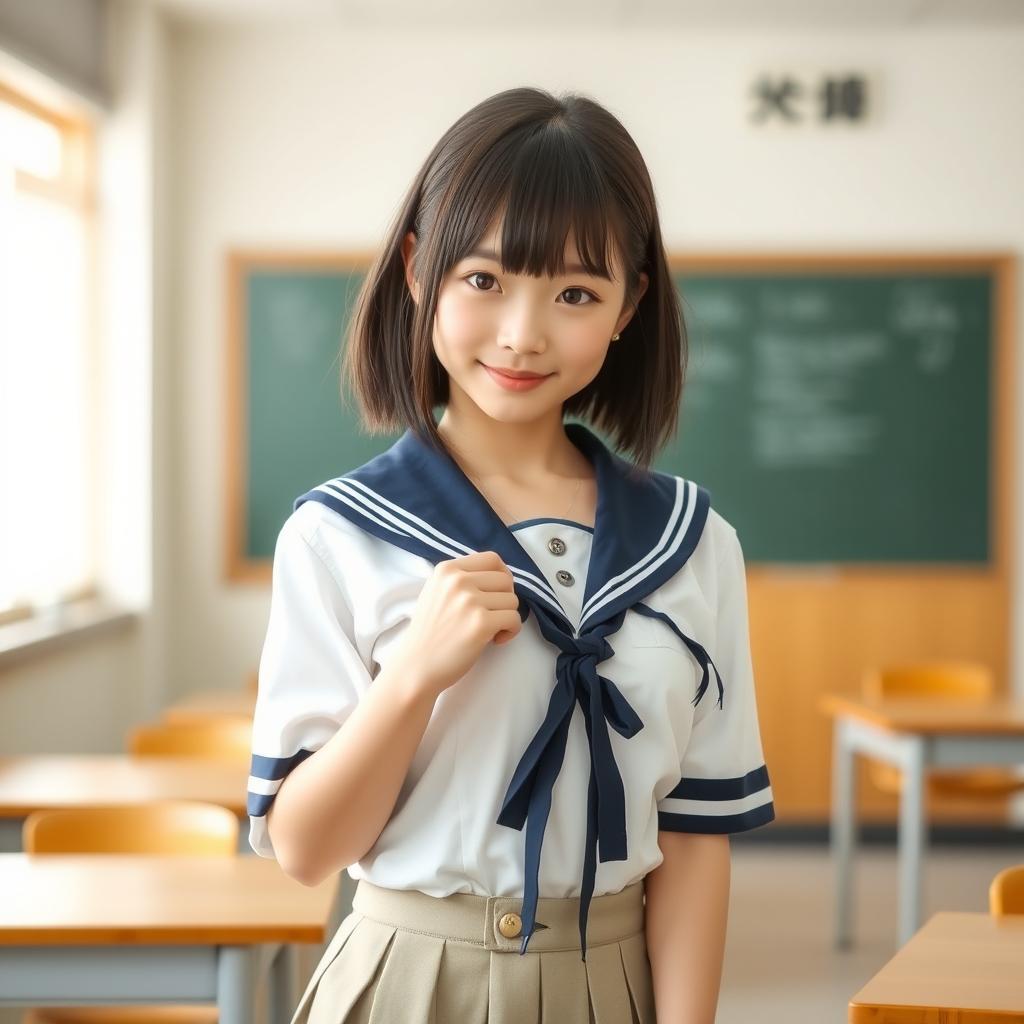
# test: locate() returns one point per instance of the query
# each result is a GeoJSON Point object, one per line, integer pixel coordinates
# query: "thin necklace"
{"type": "Point", "coordinates": [510, 521]}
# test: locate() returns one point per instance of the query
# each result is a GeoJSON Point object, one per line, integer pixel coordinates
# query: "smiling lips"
{"type": "Point", "coordinates": [520, 381]}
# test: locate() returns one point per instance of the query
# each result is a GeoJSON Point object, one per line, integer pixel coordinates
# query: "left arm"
{"type": "Point", "coordinates": [686, 914]}
{"type": "Point", "coordinates": [723, 788]}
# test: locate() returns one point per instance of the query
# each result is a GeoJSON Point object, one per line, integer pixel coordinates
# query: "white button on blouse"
{"type": "Point", "coordinates": [543, 538]}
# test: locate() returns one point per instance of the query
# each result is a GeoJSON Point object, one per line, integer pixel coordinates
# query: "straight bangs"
{"type": "Point", "coordinates": [545, 186]}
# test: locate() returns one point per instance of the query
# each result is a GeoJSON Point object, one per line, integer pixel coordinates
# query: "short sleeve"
{"type": "Point", "coordinates": [724, 785]}
{"type": "Point", "coordinates": [311, 675]}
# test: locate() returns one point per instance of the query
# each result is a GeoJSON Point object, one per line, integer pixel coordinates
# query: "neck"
{"type": "Point", "coordinates": [516, 452]}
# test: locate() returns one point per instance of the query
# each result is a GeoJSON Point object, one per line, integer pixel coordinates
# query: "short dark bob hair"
{"type": "Point", "coordinates": [551, 165]}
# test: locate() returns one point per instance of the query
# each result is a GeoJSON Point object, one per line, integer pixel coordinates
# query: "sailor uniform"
{"type": "Point", "coordinates": [639, 624]}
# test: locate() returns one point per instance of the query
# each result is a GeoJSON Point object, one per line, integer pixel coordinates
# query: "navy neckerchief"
{"type": "Point", "coordinates": [646, 527]}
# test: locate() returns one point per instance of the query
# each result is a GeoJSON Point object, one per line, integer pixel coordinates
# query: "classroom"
{"type": "Point", "coordinates": [230, 241]}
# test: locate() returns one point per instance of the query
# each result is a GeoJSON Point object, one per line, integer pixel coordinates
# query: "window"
{"type": "Point", "coordinates": [47, 359]}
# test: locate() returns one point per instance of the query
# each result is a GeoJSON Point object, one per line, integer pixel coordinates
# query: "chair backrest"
{"type": "Point", "coordinates": [1006, 893]}
{"type": "Point", "coordinates": [224, 737]}
{"type": "Point", "coordinates": [161, 827]}
{"type": "Point", "coordinates": [956, 680]}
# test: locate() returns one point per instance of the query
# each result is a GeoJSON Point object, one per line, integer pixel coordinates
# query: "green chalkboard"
{"type": "Point", "coordinates": [842, 417]}
{"type": "Point", "coordinates": [837, 412]}
{"type": "Point", "coordinates": [298, 433]}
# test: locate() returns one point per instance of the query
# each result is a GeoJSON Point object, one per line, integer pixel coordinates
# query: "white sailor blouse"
{"type": "Point", "coordinates": [624, 706]}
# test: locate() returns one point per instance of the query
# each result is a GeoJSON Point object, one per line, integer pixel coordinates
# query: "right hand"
{"type": "Point", "coordinates": [466, 603]}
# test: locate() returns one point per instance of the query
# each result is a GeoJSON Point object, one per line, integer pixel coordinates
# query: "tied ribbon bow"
{"type": "Point", "coordinates": [528, 798]}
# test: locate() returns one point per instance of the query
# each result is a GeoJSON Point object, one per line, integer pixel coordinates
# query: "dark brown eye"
{"type": "Point", "coordinates": [480, 273]}
{"type": "Point", "coordinates": [581, 291]}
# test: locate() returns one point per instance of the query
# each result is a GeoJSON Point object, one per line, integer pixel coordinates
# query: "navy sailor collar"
{"type": "Point", "coordinates": [419, 498]}
{"type": "Point", "coordinates": [647, 525]}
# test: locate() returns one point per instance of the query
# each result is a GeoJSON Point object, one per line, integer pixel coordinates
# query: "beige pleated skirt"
{"type": "Point", "coordinates": [404, 957]}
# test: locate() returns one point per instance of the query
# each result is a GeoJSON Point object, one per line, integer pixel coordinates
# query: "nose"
{"type": "Point", "coordinates": [522, 328]}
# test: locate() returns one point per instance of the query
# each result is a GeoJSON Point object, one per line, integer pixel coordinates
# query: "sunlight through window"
{"type": "Point", "coordinates": [46, 523]}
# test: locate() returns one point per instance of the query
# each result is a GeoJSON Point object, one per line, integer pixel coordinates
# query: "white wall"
{"type": "Point", "coordinates": [249, 136]}
{"type": "Point", "coordinates": [83, 696]}
{"type": "Point", "coordinates": [309, 136]}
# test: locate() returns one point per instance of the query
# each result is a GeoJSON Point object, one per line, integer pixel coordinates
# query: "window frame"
{"type": "Point", "coordinates": [81, 609]}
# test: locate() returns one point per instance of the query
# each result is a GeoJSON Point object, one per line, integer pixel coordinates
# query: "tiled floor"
{"type": "Point", "coordinates": [780, 964]}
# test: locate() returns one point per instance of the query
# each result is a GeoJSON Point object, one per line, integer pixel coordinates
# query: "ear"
{"type": "Point", "coordinates": [408, 249]}
{"type": "Point", "coordinates": [627, 312]}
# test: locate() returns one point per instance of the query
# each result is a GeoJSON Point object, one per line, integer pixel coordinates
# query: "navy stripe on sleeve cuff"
{"type": "Point", "coordinates": [264, 767]}
{"type": "Point", "coordinates": [716, 824]}
{"type": "Point", "coordinates": [722, 789]}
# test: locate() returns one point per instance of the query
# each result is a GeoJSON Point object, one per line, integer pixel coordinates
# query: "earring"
{"type": "Point", "coordinates": [615, 337]}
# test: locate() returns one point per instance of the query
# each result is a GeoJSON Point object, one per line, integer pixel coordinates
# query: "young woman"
{"type": "Point", "coordinates": [506, 679]}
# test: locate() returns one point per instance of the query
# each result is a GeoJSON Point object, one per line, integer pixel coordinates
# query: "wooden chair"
{"type": "Point", "coordinates": [1006, 893]}
{"type": "Point", "coordinates": [963, 681]}
{"type": "Point", "coordinates": [223, 738]}
{"type": "Point", "coordinates": [165, 827]}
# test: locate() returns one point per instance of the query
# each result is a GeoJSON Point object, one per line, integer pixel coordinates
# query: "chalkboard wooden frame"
{"type": "Point", "coordinates": [239, 263]}
{"type": "Point", "coordinates": [1001, 268]}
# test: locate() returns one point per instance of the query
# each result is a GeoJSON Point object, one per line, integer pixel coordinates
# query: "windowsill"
{"type": "Point", "coordinates": [44, 633]}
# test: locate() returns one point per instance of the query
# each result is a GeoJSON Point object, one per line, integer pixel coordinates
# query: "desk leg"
{"type": "Point", "coordinates": [238, 969]}
{"type": "Point", "coordinates": [283, 996]}
{"type": "Point", "coordinates": [842, 834]}
{"type": "Point", "coordinates": [911, 838]}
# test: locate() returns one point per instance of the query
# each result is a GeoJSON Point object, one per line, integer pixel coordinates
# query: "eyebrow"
{"type": "Point", "coordinates": [570, 268]}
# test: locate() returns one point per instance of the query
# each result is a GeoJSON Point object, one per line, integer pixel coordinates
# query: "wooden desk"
{"type": "Point", "coordinates": [212, 704]}
{"type": "Point", "coordinates": [96, 929]}
{"type": "Point", "coordinates": [959, 969]}
{"type": "Point", "coordinates": [34, 782]}
{"type": "Point", "coordinates": [913, 735]}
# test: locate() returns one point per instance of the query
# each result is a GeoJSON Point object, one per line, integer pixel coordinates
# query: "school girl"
{"type": "Point", "coordinates": [506, 679]}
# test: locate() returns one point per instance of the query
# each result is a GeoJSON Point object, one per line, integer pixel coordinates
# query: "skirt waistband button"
{"type": "Point", "coordinates": [510, 925]}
